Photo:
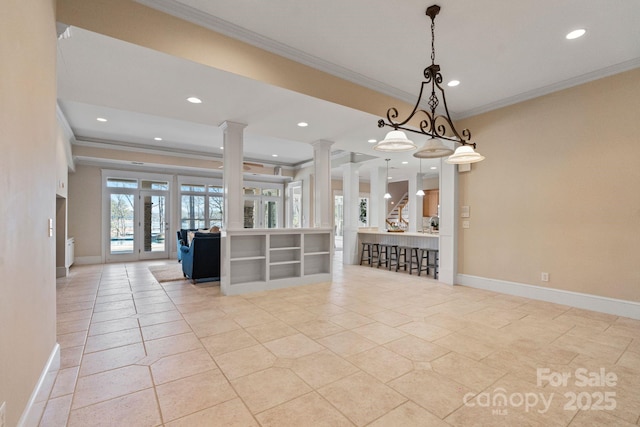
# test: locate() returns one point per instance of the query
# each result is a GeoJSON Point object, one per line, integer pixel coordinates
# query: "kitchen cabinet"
{"type": "Point", "coordinates": [430, 203]}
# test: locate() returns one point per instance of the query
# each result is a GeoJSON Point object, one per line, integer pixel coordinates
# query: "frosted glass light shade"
{"type": "Point", "coordinates": [387, 195]}
{"type": "Point", "coordinates": [433, 148]}
{"type": "Point", "coordinates": [395, 141]}
{"type": "Point", "coordinates": [420, 193]}
{"type": "Point", "coordinates": [464, 155]}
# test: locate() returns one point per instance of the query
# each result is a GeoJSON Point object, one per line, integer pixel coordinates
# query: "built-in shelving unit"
{"type": "Point", "coordinates": [258, 259]}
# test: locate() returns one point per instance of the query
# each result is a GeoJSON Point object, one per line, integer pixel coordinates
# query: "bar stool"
{"type": "Point", "coordinates": [365, 254]}
{"type": "Point", "coordinates": [414, 260]}
{"type": "Point", "coordinates": [388, 252]}
{"type": "Point", "coordinates": [435, 263]}
{"type": "Point", "coordinates": [375, 253]}
{"type": "Point", "coordinates": [423, 261]}
{"type": "Point", "coordinates": [402, 259]}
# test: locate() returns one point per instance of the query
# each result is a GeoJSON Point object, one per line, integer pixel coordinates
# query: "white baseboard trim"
{"type": "Point", "coordinates": [62, 272]}
{"type": "Point", "coordinates": [29, 416]}
{"type": "Point", "coordinates": [84, 260]}
{"type": "Point", "coordinates": [613, 306]}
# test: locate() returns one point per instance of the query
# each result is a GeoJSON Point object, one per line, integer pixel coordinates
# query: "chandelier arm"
{"type": "Point", "coordinates": [446, 110]}
{"type": "Point", "coordinates": [382, 123]}
{"type": "Point", "coordinates": [392, 113]}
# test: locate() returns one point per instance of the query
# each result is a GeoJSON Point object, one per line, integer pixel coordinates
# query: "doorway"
{"type": "Point", "coordinates": [137, 219]}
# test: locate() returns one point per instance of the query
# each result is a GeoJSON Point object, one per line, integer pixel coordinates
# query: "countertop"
{"type": "Point", "coordinates": [405, 233]}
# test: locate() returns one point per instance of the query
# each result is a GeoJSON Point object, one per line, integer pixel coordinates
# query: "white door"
{"type": "Point", "coordinates": [153, 225]}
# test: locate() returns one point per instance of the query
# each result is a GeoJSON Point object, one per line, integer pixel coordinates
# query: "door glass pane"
{"type": "Point", "coordinates": [192, 212]}
{"type": "Point", "coordinates": [364, 209]}
{"type": "Point", "coordinates": [251, 213]}
{"type": "Point", "coordinates": [121, 223]}
{"type": "Point", "coordinates": [271, 192]}
{"type": "Point", "coordinates": [296, 207]}
{"type": "Point", "coordinates": [154, 223]}
{"type": "Point", "coordinates": [122, 183]}
{"type": "Point", "coordinates": [215, 211]}
{"type": "Point", "coordinates": [270, 214]}
{"type": "Point", "coordinates": [155, 185]}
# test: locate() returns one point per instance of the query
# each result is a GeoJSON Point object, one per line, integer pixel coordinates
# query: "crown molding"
{"type": "Point", "coordinates": [545, 90]}
{"type": "Point", "coordinates": [203, 19]}
{"type": "Point", "coordinates": [69, 137]}
{"type": "Point", "coordinates": [234, 31]}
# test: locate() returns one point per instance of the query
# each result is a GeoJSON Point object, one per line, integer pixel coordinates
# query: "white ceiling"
{"type": "Point", "coordinates": [502, 52]}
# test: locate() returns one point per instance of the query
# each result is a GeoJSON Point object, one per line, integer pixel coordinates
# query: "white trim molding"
{"type": "Point", "coordinates": [33, 411]}
{"type": "Point", "coordinates": [601, 304]}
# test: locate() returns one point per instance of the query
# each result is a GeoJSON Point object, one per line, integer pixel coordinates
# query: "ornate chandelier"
{"type": "Point", "coordinates": [437, 127]}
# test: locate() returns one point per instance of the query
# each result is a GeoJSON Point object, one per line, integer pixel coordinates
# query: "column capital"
{"type": "Point", "coordinates": [232, 125]}
{"type": "Point", "coordinates": [321, 143]}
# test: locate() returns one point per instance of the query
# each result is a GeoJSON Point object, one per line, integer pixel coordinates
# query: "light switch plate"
{"type": "Point", "coordinates": [466, 224]}
{"type": "Point", "coordinates": [464, 212]}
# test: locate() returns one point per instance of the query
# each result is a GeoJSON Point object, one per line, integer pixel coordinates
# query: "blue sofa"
{"type": "Point", "coordinates": [201, 259]}
{"type": "Point", "coordinates": [182, 239]}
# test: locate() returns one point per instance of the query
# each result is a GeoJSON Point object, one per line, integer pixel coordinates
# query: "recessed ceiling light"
{"type": "Point", "coordinates": [222, 148]}
{"type": "Point", "coordinates": [274, 155]}
{"type": "Point", "coordinates": [576, 33]}
{"type": "Point", "coordinates": [389, 177]}
{"type": "Point", "coordinates": [157, 138]}
{"type": "Point", "coordinates": [101, 119]}
{"type": "Point", "coordinates": [303, 124]}
{"type": "Point", "coordinates": [405, 163]}
{"type": "Point", "coordinates": [453, 83]}
{"type": "Point", "coordinates": [194, 100]}
{"type": "Point", "coordinates": [372, 141]}
{"type": "Point", "coordinates": [433, 168]}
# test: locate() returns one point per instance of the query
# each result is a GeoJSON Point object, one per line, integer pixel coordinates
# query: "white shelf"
{"type": "Point", "coordinates": [258, 260]}
{"type": "Point", "coordinates": [285, 262]}
{"type": "Point", "coordinates": [247, 258]}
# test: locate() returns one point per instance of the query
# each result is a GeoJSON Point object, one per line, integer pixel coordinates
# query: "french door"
{"type": "Point", "coordinates": [138, 221]}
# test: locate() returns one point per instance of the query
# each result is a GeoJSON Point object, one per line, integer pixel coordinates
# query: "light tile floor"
{"type": "Point", "coordinates": [372, 348]}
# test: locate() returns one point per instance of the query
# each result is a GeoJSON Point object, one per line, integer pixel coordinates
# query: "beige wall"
{"type": "Point", "coordinates": [28, 193]}
{"type": "Point", "coordinates": [558, 191]}
{"type": "Point", "coordinates": [85, 210]}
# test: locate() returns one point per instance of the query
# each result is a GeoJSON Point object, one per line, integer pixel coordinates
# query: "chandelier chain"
{"type": "Point", "coordinates": [433, 45]}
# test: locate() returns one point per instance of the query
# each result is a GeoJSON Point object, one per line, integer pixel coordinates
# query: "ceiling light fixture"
{"type": "Point", "coordinates": [453, 83]}
{"type": "Point", "coordinates": [303, 124]}
{"type": "Point", "coordinates": [372, 141]}
{"type": "Point", "coordinates": [157, 138]}
{"type": "Point", "coordinates": [194, 100]}
{"type": "Point", "coordinates": [101, 119]}
{"type": "Point", "coordinates": [436, 127]}
{"type": "Point", "coordinates": [576, 33]}
{"type": "Point", "coordinates": [386, 182]}
{"type": "Point", "coordinates": [420, 192]}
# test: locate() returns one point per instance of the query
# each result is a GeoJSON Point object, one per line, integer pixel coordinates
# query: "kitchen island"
{"type": "Point", "coordinates": [413, 240]}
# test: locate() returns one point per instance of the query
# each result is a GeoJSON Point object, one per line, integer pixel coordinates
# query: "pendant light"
{"type": "Point", "coordinates": [386, 182]}
{"type": "Point", "coordinates": [432, 124]}
{"type": "Point", "coordinates": [395, 141]}
{"type": "Point", "coordinates": [420, 192]}
{"type": "Point", "coordinates": [432, 149]}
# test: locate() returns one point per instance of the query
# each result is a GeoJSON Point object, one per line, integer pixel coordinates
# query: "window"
{"type": "Point", "coordinates": [263, 205]}
{"type": "Point", "coordinates": [122, 183]}
{"type": "Point", "coordinates": [201, 205]}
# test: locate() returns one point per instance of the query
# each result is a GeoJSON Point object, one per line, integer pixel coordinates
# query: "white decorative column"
{"type": "Point", "coordinates": [323, 203]}
{"type": "Point", "coordinates": [448, 223]}
{"type": "Point", "coordinates": [232, 175]}
{"type": "Point", "coordinates": [306, 200]}
{"type": "Point", "coordinates": [377, 203]}
{"type": "Point", "coordinates": [351, 209]}
{"type": "Point", "coordinates": [415, 203]}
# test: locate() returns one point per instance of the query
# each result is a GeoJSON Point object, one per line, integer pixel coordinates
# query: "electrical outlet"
{"type": "Point", "coordinates": [544, 277]}
{"type": "Point", "coordinates": [3, 409]}
{"type": "Point", "coordinates": [466, 224]}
